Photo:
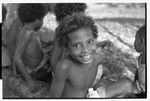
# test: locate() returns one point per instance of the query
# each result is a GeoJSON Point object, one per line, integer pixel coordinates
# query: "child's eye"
{"type": "Point", "coordinates": [75, 45]}
{"type": "Point", "coordinates": [90, 41]}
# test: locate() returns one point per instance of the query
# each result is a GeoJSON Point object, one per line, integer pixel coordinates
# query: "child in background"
{"type": "Point", "coordinates": [76, 72]}
{"type": "Point", "coordinates": [25, 46]}
{"type": "Point", "coordinates": [139, 45]}
{"type": "Point", "coordinates": [61, 10]}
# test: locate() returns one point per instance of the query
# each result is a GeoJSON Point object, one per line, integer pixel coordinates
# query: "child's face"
{"type": "Point", "coordinates": [139, 44]}
{"type": "Point", "coordinates": [82, 45]}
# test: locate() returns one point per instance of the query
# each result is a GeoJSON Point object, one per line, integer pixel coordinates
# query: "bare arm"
{"type": "Point", "coordinates": [58, 82]}
{"type": "Point", "coordinates": [141, 77]}
{"type": "Point", "coordinates": [56, 53]}
{"type": "Point", "coordinates": [23, 41]}
{"type": "Point", "coordinates": [42, 63]}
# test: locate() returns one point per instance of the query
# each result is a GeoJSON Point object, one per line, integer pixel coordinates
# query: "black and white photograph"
{"type": "Point", "coordinates": [74, 50]}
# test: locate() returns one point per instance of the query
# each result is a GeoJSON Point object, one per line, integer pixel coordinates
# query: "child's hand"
{"type": "Point", "coordinates": [36, 69]}
{"type": "Point", "coordinates": [92, 93]}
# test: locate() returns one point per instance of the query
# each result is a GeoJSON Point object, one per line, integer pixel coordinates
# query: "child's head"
{"type": "Point", "coordinates": [30, 13]}
{"type": "Point", "coordinates": [77, 33]}
{"type": "Point", "coordinates": [140, 37]}
{"type": "Point", "coordinates": [63, 9]}
{"type": "Point", "coordinates": [4, 12]}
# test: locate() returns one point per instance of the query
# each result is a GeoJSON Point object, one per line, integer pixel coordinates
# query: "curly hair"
{"type": "Point", "coordinates": [30, 12]}
{"type": "Point", "coordinates": [73, 22]}
{"type": "Point", "coordinates": [63, 9]}
{"type": "Point", "coordinates": [141, 32]}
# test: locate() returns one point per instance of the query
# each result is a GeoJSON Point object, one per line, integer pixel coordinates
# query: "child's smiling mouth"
{"type": "Point", "coordinates": [87, 58]}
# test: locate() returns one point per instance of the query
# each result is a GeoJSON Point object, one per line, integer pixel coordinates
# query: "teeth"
{"type": "Point", "coordinates": [86, 57]}
{"type": "Point", "coordinates": [88, 61]}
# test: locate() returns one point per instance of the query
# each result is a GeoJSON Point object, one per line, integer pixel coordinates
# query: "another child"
{"type": "Point", "coordinates": [25, 47]}
{"type": "Point", "coordinates": [76, 72]}
{"type": "Point", "coordinates": [139, 45]}
{"type": "Point", "coordinates": [61, 10]}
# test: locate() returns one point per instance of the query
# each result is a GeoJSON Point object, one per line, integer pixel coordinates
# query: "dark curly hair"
{"type": "Point", "coordinates": [142, 32]}
{"type": "Point", "coordinates": [30, 12]}
{"type": "Point", "coordinates": [140, 39]}
{"type": "Point", "coordinates": [72, 23]}
{"type": "Point", "coordinates": [63, 9]}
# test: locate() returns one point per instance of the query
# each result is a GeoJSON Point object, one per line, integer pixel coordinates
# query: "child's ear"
{"type": "Point", "coordinates": [66, 45]}
{"type": "Point", "coordinates": [38, 21]}
{"type": "Point", "coordinates": [142, 41]}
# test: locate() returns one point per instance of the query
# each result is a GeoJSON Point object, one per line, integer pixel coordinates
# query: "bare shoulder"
{"type": "Point", "coordinates": [63, 65]}
{"type": "Point", "coordinates": [25, 34]}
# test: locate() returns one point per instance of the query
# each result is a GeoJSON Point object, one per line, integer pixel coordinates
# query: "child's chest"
{"type": "Point", "coordinates": [33, 53]}
{"type": "Point", "coordinates": [83, 78]}
{"type": "Point", "coordinates": [34, 47]}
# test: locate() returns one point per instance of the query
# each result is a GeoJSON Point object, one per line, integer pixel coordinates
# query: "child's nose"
{"type": "Point", "coordinates": [85, 49]}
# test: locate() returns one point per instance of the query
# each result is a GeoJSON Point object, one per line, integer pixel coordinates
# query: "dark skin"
{"type": "Point", "coordinates": [56, 53]}
{"type": "Point", "coordinates": [69, 70]}
{"type": "Point", "coordinates": [71, 85]}
{"type": "Point", "coordinates": [75, 73]}
{"type": "Point", "coordinates": [139, 45]}
{"type": "Point", "coordinates": [11, 36]}
{"type": "Point", "coordinates": [27, 51]}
